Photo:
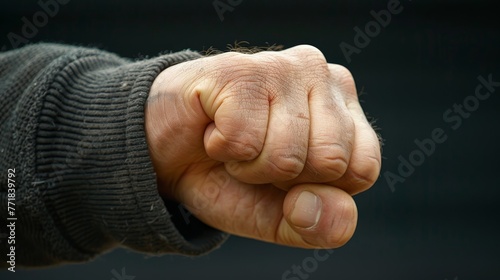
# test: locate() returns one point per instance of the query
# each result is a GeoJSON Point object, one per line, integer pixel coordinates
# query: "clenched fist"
{"type": "Point", "coordinates": [269, 146]}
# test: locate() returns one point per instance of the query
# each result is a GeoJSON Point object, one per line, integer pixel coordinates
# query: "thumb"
{"type": "Point", "coordinates": [308, 216]}
{"type": "Point", "coordinates": [317, 216]}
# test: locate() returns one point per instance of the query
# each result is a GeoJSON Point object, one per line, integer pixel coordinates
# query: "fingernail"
{"type": "Point", "coordinates": [307, 210]}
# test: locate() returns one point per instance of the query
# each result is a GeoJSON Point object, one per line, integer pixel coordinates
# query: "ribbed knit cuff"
{"type": "Point", "coordinates": [92, 161]}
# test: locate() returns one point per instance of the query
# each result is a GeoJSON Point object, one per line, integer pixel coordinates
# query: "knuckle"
{"type": "Point", "coordinates": [313, 61]}
{"type": "Point", "coordinates": [274, 66]}
{"type": "Point", "coordinates": [242, 148]}
{"type": "Point", "coordinates": [311, 52]}
{"type": "Point", "coordinates": [305, 60]}
{"type": "Point", "coordinates": [251, 79]}
{"type": "Point", "coordinates": [364, 174]}
{"type": "Point", "coordinates": [330, 161]}
{"type": "Point", "coordinates": [344, 78]}
{"type": "Point", "coordinates": [234, 66]}
{"type": "Point", "coordinates": [342, 73]}
{"type": "Point", "coordinates": [285, 166]}
{"type": "Point", "coordinates": [313, 67]}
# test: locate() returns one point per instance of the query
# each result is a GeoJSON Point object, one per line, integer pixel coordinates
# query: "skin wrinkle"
{"type": "Point", "coordinates": [365, 179]}
{"type": "Point", "coordinates": [297, 123]}
{"type": "Point", "coordinates": [275, 67]}
{"type": "Point", "coordinates": [332, 158]}
{"type": "Point", "coordinates": [272, 74]}
{"type": "Point", "coordinates": [256, 147]}
{"type": "Point", "coordinates": [259, 204]}
{"type": "Point", "coordinates": [359, 176]}
{"type": "Point", "coordinates": [187, 170]}
{"type": "Point", "coordinates": [237, 146]}
{"type": "Point", "coordinates": [294, 172]}
{"type": "Point", "coordinates": [227, 74]}
{"type": "Point", "coordinates": [255, 83]}
{"type": "Point", "coordinates": [290, 173]}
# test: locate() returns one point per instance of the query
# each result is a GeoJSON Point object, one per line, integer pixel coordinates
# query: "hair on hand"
{"type": "Point", "coordinates": [242, 47]}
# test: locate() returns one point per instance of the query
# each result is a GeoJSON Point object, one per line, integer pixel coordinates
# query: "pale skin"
{"type": "Point", "coordinates": [269, 146]}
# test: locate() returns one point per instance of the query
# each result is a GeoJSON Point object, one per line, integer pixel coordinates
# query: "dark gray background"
{"type": "Point", "coordinates": [441, 223]}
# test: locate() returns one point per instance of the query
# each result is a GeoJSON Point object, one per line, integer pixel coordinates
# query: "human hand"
{"type": "Point", "coordinates": [269, 146]}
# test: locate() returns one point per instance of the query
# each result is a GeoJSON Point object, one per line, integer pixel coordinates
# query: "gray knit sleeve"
{"type": "Point", "coordinates": [72, 133]}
